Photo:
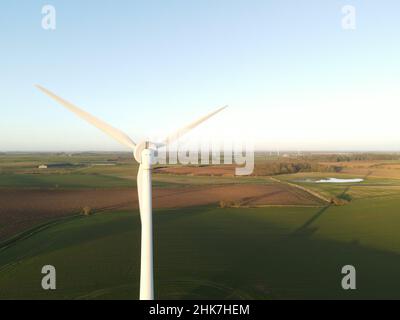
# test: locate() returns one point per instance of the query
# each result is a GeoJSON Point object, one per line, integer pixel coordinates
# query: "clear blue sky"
{"type": "Point", "coordinates": [292, 76]}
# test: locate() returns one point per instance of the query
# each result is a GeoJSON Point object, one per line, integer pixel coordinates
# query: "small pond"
{"type": "Point", "coordinates": [335, 180]}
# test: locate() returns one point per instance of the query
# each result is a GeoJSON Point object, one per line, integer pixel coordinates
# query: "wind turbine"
{"type": "Point", "coordinates": [143, 154]}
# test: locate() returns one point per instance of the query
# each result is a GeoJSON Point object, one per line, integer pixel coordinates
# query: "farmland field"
{"type": "Point", "coordinates": [225, 237]}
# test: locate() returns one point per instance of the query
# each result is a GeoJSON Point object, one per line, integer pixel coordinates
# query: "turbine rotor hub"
{"type": "Point", "coordinates": [142, 146]}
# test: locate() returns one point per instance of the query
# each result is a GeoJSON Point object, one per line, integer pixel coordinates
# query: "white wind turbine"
{"type": "Point", "coordinates": [143, 153]}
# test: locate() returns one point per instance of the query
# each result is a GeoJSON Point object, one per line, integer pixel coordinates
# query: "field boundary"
{"type": "Point", "coordinates": [4, 245]}
{"type": "Point", "coordinates": [287, 205]}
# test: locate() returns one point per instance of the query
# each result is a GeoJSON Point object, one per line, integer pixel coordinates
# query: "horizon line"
{"type": "Point", "coordinates": [255, 150]}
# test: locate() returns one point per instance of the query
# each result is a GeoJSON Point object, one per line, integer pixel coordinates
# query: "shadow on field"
{"type": "Point", "coordinates": [200, 253]}
{"type": "Point", "coordinates": [305, 229]}
{"type": "Point", "coordinates": [249, 200]}
{"type": "Point", "coordinates": [229, 256]}
{"type": "Point", "coordinates": [351, 185]}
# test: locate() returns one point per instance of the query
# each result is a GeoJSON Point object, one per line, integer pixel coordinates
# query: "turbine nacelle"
{"type": "Point", "coordinates": [145, 145]}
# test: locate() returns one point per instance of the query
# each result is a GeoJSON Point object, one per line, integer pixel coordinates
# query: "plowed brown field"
{"type": "Point", "coordinates": [22, 209]}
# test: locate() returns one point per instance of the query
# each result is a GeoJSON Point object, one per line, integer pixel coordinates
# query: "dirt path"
{"type": "Point", "coordinates": [312, 192]}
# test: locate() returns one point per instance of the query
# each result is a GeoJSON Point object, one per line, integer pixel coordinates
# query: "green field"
{"type": "Point", "coordinates": [282, 252]}
{"type": "Point", "coordinates": [206, 252]}
{"type": "Point", "coordinates": [21, 172]}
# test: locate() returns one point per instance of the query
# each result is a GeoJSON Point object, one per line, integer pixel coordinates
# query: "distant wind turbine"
{"type": "Point", "coordinates": [143, 153]}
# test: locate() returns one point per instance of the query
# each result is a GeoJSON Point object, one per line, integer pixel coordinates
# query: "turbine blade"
{"type": "Point", "coordinates": [176, 135]}
{"type": "Point", "coordinates": [111, 131]}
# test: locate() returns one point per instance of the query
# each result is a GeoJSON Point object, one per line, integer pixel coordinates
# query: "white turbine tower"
{"type": "Point", "coordinates": [143, 153]}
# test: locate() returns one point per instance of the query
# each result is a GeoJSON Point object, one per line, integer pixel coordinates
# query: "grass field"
{"type": "Point", "coordinates": [207, 252]}
{"type": "Point", "coordinates": [281, 249]}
